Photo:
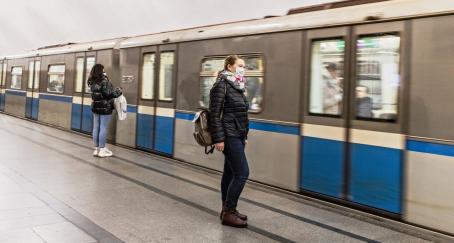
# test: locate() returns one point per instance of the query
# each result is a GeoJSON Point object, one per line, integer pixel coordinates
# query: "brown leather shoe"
{"type": "Point", "coordinates": [240, 215]}
{"type": "Point", "coordinates": [230, 218]}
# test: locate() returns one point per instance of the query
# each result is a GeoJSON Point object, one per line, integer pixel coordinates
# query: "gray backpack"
{"type": "Point", "coordinates": [202, 133]}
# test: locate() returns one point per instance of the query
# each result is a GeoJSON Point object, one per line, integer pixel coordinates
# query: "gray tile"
{"type": "Point", "coordinates": [22, 200]}
{"type": "Point", "coordinates": [24, 212]}
{"type": "Point", "coordinates": [63, 232]}
{"type": "Point", "coordinates": [20, 236]}
{"type": "Point", "coordinates": [30, 221]}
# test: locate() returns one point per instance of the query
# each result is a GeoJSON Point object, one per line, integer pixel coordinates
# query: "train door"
{"type": "Point", "coordinates": [32, 99]}
{"type": "Point", "coordinates": [352, 146]}
{"type": "Point", "coordinates": [376, 120]}
{"type": "Point", "coordinates": [323, 168]}
{"type": "Point", "coordinates": [156, 113]}
{"type": "Point", "coordinates": [82, 117]}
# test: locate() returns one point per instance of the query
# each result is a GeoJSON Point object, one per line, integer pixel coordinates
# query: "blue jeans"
{"type": "Point", "coordinates": [100, 125]}
{"type": "Point", "coordinates": [236, 171]}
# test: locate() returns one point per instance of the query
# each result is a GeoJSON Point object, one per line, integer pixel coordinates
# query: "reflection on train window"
{"type": "Point", "coordinates": [377, 77]}
{"type": "Point", "coordinates": [16, 77]}
{"type": "Point", "coordinates": [4, 74]}
{"type": "Point", "coordinates": [326, 81]}
{"type": "Point", "coordinates": [31, 71]}
{"type": "Point", "coordinates": [254, 79]}
{"type": "Point", "coordinates": [90, 62]}
{"type": "Point", "coordinates": [212, 65]}
{"type": "Point", "coordinates": [148, 76]}
{"type": "Point", "coordinates": [37, 72]}
{"type": "Point", "coordinates": [79, 74]}
{"type": "Point", "coordinates": [166, 75]}
{"type": "Point", "coordinates": [210, 70]}
{"type": "Point", "coordinates": [56, 82]}
{"type": "Point", "coordinates": [1, 74]}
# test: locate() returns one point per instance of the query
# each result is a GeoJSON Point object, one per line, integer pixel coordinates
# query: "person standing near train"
{"type": "Point", "coordinates": [332, 90]}
{"type": "Point", "coordinates": [102, 94]}
{"type": "Point", "coordinates": [229, 127]}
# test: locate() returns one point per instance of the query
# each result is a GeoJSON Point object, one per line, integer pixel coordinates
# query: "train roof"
{"type": "Point", "coordinates": [387, 10]}
{"type": "Point", "coordinates": [70, 48]}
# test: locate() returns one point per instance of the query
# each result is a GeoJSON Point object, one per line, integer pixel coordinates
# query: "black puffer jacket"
{"type": "Point", "coordinates": [103, 93]}
{"type": "Point", "coordinates": [228, 111]}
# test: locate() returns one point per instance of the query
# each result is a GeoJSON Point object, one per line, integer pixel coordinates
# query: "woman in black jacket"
{"type": "Point", "coordinates": [229, 126]}
{"type": "Point", "coordinates": [102, 94]}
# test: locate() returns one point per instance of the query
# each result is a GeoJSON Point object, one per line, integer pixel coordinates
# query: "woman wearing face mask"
{"type": "Point", "coordinates": [102, 94]}
{"type": "Point", "coordinates": [229, 126]}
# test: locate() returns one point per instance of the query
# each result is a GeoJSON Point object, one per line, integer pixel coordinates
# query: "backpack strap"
{"type": "Point", "coordinates": [209, 151]}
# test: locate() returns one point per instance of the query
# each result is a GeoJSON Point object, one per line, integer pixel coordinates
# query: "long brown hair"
{"type": "Point", "coordinates": [230, 60]}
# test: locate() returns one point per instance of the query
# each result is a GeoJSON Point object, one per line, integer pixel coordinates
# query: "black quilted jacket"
{"type": "Point", "coordinates": [228, 111]}
{"type": "Point", "coordinates": [102, 95]}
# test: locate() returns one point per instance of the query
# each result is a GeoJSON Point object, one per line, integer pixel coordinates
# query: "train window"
{"type": "Point", "coordinates": [79, 74]}
{"type": "Point", "coordinates": [166, 68]}
{"type": "Point", "coordinates": [326, 77]}
{"type": "Point", "coordinates": [212, 65]}
{"type": "Point", "coordinates": [254, 79]}
{"type": "Point", "coordinates": [377, 77]}
{"type": "Point", "coordinates": [37, 72]}
{"type": "Point", "coordinates": [31, 71]}
{"type": "Point", "coordinates": [16, 78]}
{"type": "Point", "coordinates": [210, 69]}
{"type": "Point", "coordinates": [148, 72]}
{"type": "Point", "coordinates": [56, 82]}
{"type": "Point", "coordinates": [90, 62]}
{"type": "Point", "coordinates": [4, 74]}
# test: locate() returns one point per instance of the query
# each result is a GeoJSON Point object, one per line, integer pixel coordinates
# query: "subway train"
{"type": "Point", "coordinates": [348, 105]}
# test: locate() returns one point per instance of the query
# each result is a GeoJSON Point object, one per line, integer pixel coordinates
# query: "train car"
{"type": "Point", "coordinates": [49, 84]}
{"type": "Point", "coordinates": [346, 104]}
{"type": "Point", "coordinates": [331, 102]}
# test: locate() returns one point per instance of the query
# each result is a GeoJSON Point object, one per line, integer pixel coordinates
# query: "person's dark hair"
{"type": "Point", "coordinates": [331, 66]}
{"type": "Point", "coordinates": [96, 74]}
{"type": "Point", "coordinates": [230, 60]}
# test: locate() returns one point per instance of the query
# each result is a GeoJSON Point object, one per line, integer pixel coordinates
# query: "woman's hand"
{"type": "Point", "coordinates": [219, 146]}
{"type": "Point", "coordinates": [245, 142]}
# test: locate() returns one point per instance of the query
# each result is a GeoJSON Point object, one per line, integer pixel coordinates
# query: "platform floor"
{"type": "Point", "coordinates": [53, 190]}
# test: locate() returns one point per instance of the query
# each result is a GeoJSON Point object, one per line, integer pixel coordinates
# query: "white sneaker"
{"type": "Point", "coordinates": [96, 152]}
{"type": "Point", "coordinates": [104, 152]}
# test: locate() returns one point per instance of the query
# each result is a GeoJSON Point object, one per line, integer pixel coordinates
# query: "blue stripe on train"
{"type": "Point", "coordinates": [76, 112]}
{"type": "Point", "coordinates": [184, 116]}
{"type": "Point", "coordinates": [15, 92]}
{"type": "Point", "coordinates": [430, 148]}
{"type": "Point", "coordinates": [164, 134]}
{"type": "Point", "coordinates": [28, 107]}
{"type": "Point", "coordinates": [35, 108]}
{"type": "Point", "coordinates": [375, 176]}
{"type": "Point", "coordinates": [256, 125]}
{"type": "Point", "coordinates": [60, 98]}
{"type": "Point", "coordinates": [31, 107]}
{"type": "Point", "coordinates": [322, 166]}
{"type": "Point", "coordinates": [87, 119]}
{"type": "Point", "coordinates": [2, 102]}
{"type": "Point", "coordinates": [144, 133]}
{"type": "Point", "coordinates": [132, 109]}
